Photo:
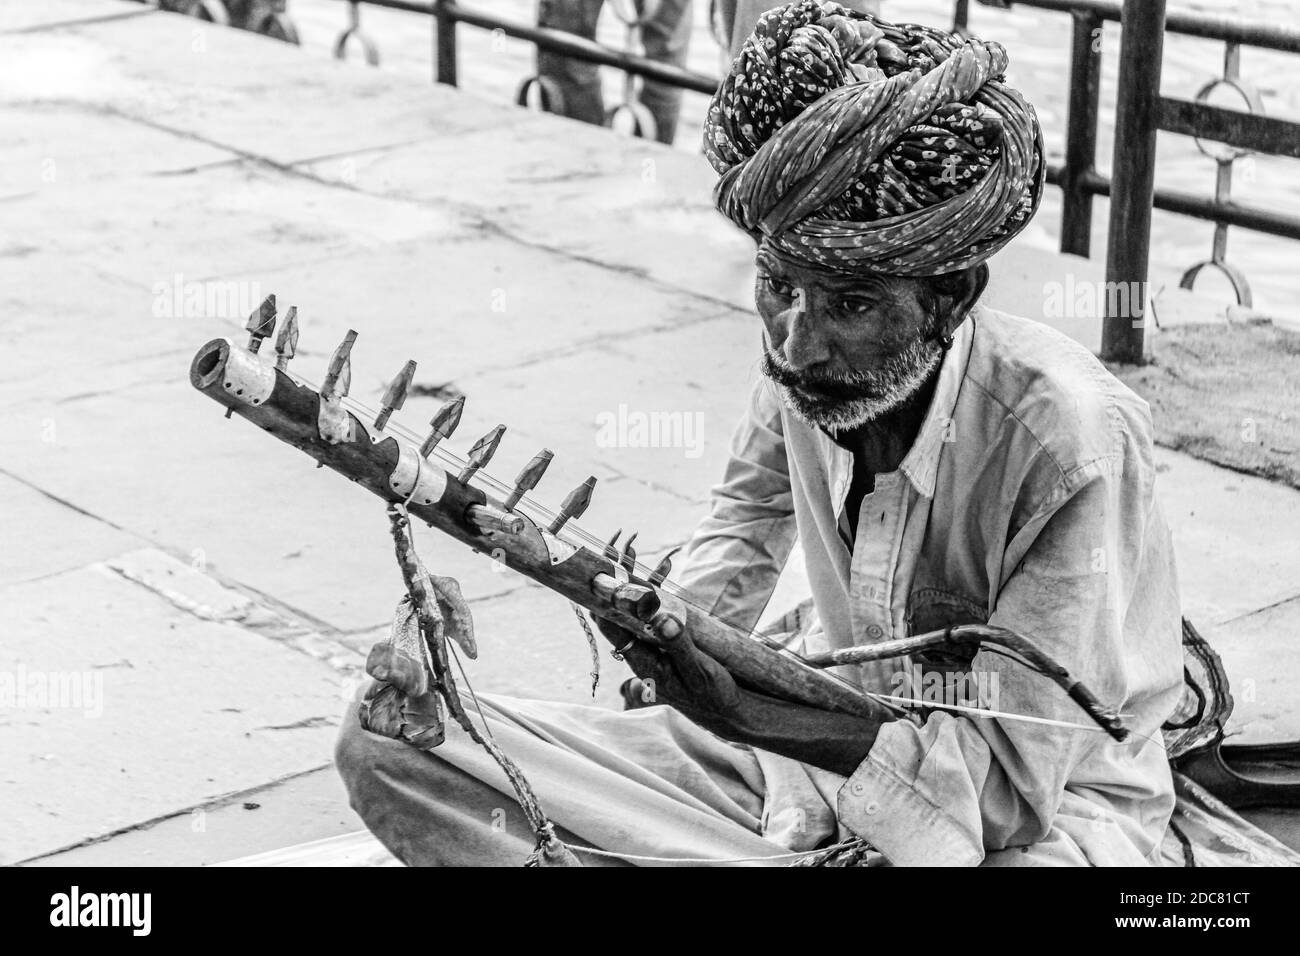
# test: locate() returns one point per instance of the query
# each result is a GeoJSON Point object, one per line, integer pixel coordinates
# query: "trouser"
{"type": "Point", "coordinates": [665, 37]}
{"type": "Point", "coordinates": [641, 783]}
{"type": "Point", "coordinates": [645, 782]}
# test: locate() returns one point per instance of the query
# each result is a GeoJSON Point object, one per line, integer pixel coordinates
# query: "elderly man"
{"type": "Point", "coordinates": [941, 463]}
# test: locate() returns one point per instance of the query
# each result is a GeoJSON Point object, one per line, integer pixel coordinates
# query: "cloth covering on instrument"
{"type": "Point", "coordinates": [859, 145]}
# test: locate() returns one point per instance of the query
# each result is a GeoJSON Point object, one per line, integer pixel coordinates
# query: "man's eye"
{"type": "Point", "coordinates": [855, 306]}
{"type": "Point", "coordinates": [778, 286]}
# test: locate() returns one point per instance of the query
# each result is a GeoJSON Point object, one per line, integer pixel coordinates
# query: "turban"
{"type": "Point", "coordinates": [861, 146]}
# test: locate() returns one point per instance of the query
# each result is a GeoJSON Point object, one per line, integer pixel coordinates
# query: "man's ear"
{"type": "Point", "coordinates": [974, 282]}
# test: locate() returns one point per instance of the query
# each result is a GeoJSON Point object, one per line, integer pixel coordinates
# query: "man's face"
{"type": "Point", "coordinates": [843, 350]}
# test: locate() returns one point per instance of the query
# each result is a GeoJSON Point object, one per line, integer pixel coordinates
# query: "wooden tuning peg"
{"type": "Point", "coordinates": [261, 323]}
{"type": "Point", "coordinates": [286, 343]}
{"type": "Point", "coordinates": [395, 396]}
{"type": "Point", "coordinates": [442, 424]}
{"type": "Point", "coordinates": [529, 477]}
{"type": "Point", "coordinates": [611, 551]}
{"type": "Point", "coordinates": [575, 503]}
{"type": "Point", "coordinates": [663, 568]}
{"type": "Point", "coordinates": [627, 560]}
{"type": "Point", "coordinates": [487, 518]}
{"type": "Point", "coordinates": [338, 377]}
{"type": "Point", "coordinates": [481, 453]}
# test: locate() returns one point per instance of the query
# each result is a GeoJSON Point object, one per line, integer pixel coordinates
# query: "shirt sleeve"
{"type": "Point", "coordinates": [949, 790]}
{"type": "Point", "coordinates": [732, 562]}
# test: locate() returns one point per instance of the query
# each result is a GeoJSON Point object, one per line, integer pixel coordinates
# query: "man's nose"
{"type": "Point", "coordinates": [803, 347]}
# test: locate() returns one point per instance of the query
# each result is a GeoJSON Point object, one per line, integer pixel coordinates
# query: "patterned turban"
{"type": "Point", "coordinates": [862, 146]}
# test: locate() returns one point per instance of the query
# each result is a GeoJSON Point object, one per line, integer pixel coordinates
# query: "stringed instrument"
{"type": "Point", "coordinates": [458, 497]}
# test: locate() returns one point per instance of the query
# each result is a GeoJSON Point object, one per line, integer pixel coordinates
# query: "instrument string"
{"type": "Point", "coordinates": [574, 534]}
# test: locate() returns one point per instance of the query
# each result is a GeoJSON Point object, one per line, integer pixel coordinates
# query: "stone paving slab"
{"type": "Point", "coordinates": [1237, 542]}
{"type": "Point", "coordinates": [470, 302]}
{"type": "Point", "coordinates": [695, 378]}
{"type": "Point", "coordinates": [209, 82]}
{"type": "Point", "coordinates": [187, 709]}
{"type": "Point", "coordinates": [1258, 652]}
{"type": "Point", "coordinates": [230, 223]}
{"type": "Point", "coordinates": [308, 806]}
{"type": "Point", "coordinates": [64, 143]}
{"type": "Point", "coordinates": [224, 490]}
{"type": "Point", "coordinates": [189, 583]}
{"type": "Point", "coordinates": [70, 331]}
{"type": "Point", "coordinates": [643, 207]}
{"type": "Point", "coordinates": [36, 542]}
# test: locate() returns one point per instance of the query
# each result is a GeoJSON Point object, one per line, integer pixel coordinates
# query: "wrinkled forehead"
{"type": "Point", "coordinates": [800, 272]}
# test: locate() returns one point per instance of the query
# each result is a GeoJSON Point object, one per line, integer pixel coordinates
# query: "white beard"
{"type": "Point", "coordinates": [897, 381]}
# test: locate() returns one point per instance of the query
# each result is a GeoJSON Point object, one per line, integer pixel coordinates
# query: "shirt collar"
{"type": "Point", "coordinates": [921, 464]}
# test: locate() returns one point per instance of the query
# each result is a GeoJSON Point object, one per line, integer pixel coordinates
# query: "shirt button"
{"type": "Point", "coordinates": [871, 808]}
{"type": "Point", "coordinates": [858, 789]}
{"type": "Point", "coordinates": [875, 630]}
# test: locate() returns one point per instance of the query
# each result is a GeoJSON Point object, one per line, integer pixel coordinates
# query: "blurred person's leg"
{"type": "Point", "coordinates": [666, 38]}
{"type": "Point", "coordinates": [722, 24]}
{"type": "Point", "coordinates": [744, 16]}
{"type": "Point", "coordinates": [579, 82]}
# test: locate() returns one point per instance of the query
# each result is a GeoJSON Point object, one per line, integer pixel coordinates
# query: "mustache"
{"type": "Point", "coordinates": [834, 386]}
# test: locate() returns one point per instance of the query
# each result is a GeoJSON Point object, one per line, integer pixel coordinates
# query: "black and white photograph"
{"type": "Point", "coordinates": [680, 434]}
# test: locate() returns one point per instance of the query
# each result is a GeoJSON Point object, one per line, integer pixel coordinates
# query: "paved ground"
{"type": "Point", "coordinates": [157, 177]}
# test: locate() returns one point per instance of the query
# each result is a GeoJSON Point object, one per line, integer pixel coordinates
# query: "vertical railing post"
{"type": "Point", "coordinates": [1128, 245]}
{"type": "Point", "coordinates": [1223, 176]}
{"type": "Point", "coordinates": [1081, 133]}
{"type": "Point", "coordinates": [444, 43]}
{"type": "Point", "coordinates": [961, 16]}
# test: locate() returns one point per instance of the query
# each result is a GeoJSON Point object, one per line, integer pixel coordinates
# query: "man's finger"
{"type": "Point", "coordinates": [651, 667]}
{"type": "Point", "coordinates": [704, 678]}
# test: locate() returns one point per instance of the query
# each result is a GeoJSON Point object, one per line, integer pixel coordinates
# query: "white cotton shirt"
{"type": "Point", "coordinates": [1027, 501]}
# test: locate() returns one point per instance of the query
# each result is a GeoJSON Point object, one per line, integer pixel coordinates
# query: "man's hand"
{"type": "Point", "coordinates": [676, 670]}
{"type": "Point", "coordinates": [677, 673]}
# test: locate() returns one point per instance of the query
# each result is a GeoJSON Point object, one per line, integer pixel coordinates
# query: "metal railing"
{"type": "Point", "coordinates": [447, 13]}
{"type": "Point", "coordinates": [1140, 112]}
